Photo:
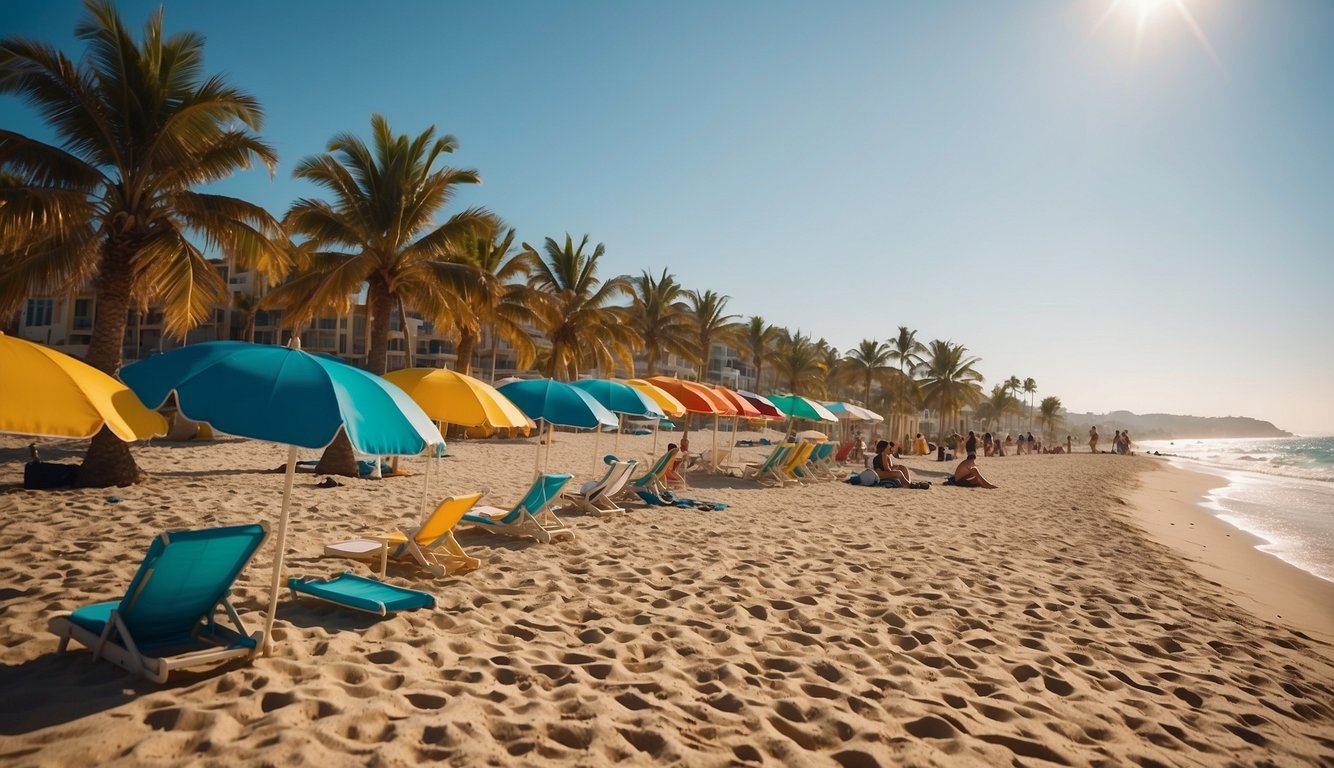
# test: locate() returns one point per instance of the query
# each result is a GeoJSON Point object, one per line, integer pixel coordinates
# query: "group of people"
{"type": "Point", "coordinates": [965, 474]}
{"type": "Point", "coordinates": [1120, 443]}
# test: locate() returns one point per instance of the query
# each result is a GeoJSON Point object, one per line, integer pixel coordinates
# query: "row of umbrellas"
{"type": "Point", "coordinates": [287, 396]}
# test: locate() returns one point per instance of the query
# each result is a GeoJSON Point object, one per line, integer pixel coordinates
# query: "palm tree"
{"type": "Point", "coordinates": [869, 362]}
{"type": "Point", "coordinates": [140, 126]}
{"type": "Point", "coordinates": [488, 297]}
{"type": "Point", "coordinates": [378, 231]}
{"type": "Point", "coordinates": [659, 316]}
{"type": "Point", "coordinates": [574, 309]}
{"type": "Point", "coordinates": [757, 340]}
{"type": "Point", "coordinates": [1050, 408]}
{"type": "Point", "coordinates": [1030, 388]}
{"type": "Point", "coordinates": [906, 350]}
{"type": "Point", "coordinates": [247, 306]}
{"type": "Point", "coordinates": [797, 362]}
{"type": "Point", "coordinates": [993, 409]}
{"type": "Point", "coordinates": [708, 325]}
{"type": "Point", "coordinates": [901, 397]}
{"type": "Point", "coordinates": [1012, 385]}
{"type": "Point", "coordinates": [949, 379]}
{"type": "Point", "coordinates": [830, 365]}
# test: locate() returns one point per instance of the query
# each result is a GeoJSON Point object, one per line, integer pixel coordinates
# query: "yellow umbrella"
{"type": "Point", "coordinates": [665, 400]}
{"type": "Point", "coordinates": [46, 393]}
{"type": "Point", "coordinates": [669, 405]}
{"type": "Point", "coordinates": [454, 398]}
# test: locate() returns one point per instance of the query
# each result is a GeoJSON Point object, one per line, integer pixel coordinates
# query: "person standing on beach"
{"type": "Point", "coordinates": [1093, 439]}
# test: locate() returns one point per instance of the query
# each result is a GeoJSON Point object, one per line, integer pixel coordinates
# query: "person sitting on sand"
{"type": "Point", "coordinates": [966, 474]}
{"type": "Point", "coordinates": [884, 466]}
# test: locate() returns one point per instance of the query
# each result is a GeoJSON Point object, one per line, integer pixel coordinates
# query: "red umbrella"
{"type": "Point", "coordinates": [763, 404]}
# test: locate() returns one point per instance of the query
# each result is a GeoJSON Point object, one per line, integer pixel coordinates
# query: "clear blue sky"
{"type": "Point", "coordinates": [1126, 217]}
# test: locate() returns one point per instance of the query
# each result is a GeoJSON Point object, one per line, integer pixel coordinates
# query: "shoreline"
{"type": "Point", "coordinates": [1168, 508]}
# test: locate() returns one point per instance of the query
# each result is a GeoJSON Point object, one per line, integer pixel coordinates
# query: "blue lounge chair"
{"type": "Point", "coordinates": [655, 479]}
{"type": "Point", "coordinates": [166, 621]}
{"type": "Point", "coordinates": [359, 593]}
{"type": "Point", "coordinates": [596, 498]}
{"type": "Point", "coordinates": [531, 517]}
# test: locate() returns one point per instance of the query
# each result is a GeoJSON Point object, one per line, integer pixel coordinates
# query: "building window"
{"type": "Point", "coordinates": [38, 312]}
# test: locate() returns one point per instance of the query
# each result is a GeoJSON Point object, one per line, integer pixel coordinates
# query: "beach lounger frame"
{"type": "Point", "coordinates": [167, 619]}
{"type": "Point", "coordinates": [533, 517]}
{"type": "Point", "coordinates": [770, 470]}
{"type": "Point", "coordinates": [600, 498]}
{"type": "Point", "coordinates": [431, 545]}
{"type": "Point", "coordinates": [652, 479]}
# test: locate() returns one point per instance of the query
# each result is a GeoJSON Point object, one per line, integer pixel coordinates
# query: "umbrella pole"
{"type": "Point", "coordinates": [546, 461]}
{"type": "Point", "coordinates": [713, 457]}
{"type": "Point", "coordinates": [597, 442]}
{"type": "Point", "coordinates": [654, 455]}
{"type": "Point", "coordinates": [279, 546]}
{"type": "Point", "coordinates": [537, 457]}
{"type": "Point", "coordinates": [620, 427]}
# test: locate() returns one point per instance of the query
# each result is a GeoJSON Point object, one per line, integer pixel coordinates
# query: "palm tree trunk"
{"type": "Point", "coordinates": [495, 351]}
{"type": "Point", "coordinates": [108, 461]}
{"type": "Point", "coordinates": [467, 343]}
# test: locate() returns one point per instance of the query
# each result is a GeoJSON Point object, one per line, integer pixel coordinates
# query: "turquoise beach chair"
{"type": "Point", "coordinates": [348, 590]}
{"type": "Point", "coordinates": [531, 517]}
{"type": "Point", "coordinates": [770, 471]}
{"type": "Point", "coordinates": [654, 480]}
{"type": "Point", "coordinates": [166, 621]}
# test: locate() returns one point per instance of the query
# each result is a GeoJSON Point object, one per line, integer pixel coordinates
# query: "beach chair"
{"type": "Point", "coordinates": [769, 471]}
{"type": "Point", "coordinates": [822, 461]}
{"type": "Point", "coordinates": [431, 545]}
{"type": "Point", "coordinates": [674, 477]}
{"type": "Point", "coordinates": [795, 468]}
{"type": "Point", "coordinates": [597, 498]}
{"type": "Point", "coordinates": [167, 618]}
{"type": "Point", "coordinates": [841, 456]}
{"type": "Point", "coordinates": [358, 593]}
{"type": "Point", "coordinates": [532, 517]}
{"type": "Point", "coordinates": [652, 480]}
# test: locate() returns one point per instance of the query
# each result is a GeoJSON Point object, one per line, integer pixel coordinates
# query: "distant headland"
{"type": "Point", "coordinates": [1166, 425]}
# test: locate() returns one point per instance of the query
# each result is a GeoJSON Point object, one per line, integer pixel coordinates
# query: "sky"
{"type": "Point", "coordinates": [1131, 204]}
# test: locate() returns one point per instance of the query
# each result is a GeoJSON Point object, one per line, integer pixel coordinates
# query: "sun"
{"type": "Point", "coordinates": [1145, 12]}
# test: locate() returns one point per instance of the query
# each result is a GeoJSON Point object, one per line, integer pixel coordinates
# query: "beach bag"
{"type": "Point", "coordinates": [40, 475]}
{"type": "Point", "coordinates": [868, 477]}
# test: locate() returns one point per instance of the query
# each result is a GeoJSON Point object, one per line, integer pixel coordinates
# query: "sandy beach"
{"type": "Point", "coordinates": [1083, 613]}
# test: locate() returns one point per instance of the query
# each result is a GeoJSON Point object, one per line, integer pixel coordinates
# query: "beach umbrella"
{"type": "Point", "coordinates": [45, 393]}
{"type": "Point", "coordinates": [450, 397]}
{"type": "Point", "coordinates": [283, 395]}
{"type": "Point", "coordinates": [744, 410]}
{"type": "Point", "coordinates": [697, 398]}
{"type": "Point", "coordinates": [619, 398]}
{"type": "Point", "coordinates": [669, 405]}
{"type": "Point", "coordinates": [813, 436]}
{"type": "Point", "coordinates": [798, 407]}
{"type": "Point", "coordinates": [848, 412]}
{"type": "Point", "coordinates": [559, 405]}
{"type": "Point", "coordinates": [762, 404]}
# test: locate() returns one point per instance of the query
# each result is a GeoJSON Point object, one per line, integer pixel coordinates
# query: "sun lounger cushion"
{"type": "Point", "coordinates": [655, 500]}
{"type": "Point", "coordinates": [362, 594]}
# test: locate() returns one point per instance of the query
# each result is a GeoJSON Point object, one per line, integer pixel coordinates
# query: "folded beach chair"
{"type": "Point", "coordinates": [596, 498]}
{"type": "Point", "coordinates": [531, 517]}
{"type": "Point", "coordinates": [167, 618]}
{"type": "Point", "coordinates": [348, 590]}
{"type": "Point", "coordinates": [432, 545]}
{"type": "Point", "coordinates": [652, 480]}
{"type": "Point", "coordinates": [770, 471]}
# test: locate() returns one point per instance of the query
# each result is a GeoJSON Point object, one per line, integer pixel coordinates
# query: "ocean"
{"type": "Point", "coordinates": [1280, 489]}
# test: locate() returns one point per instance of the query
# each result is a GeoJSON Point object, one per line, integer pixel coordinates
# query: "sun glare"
{"type": "Point", "coordinates": [1147, 12]}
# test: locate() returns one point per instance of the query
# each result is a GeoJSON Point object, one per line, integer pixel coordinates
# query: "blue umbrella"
{"type": "Point", "coordinates": [558, 404]}
{"type": "Point", "coordinates": [618, 397]}
{"type": "Point", "coordinates": [284, 396]}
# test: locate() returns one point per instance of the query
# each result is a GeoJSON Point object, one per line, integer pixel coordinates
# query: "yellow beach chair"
{"type": "Point", "coordinates": [432, 545]}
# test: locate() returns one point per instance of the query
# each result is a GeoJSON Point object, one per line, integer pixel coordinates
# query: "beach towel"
{"type": "Point", "coordinates": [668, 500]}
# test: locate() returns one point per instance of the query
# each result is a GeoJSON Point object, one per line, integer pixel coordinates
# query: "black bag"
{"type": "Point", "coordinates": [39, 475]}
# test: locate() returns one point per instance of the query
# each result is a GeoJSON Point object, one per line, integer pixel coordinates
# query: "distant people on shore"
{"type": "Point", "coordinates": [970, 445]}
{"type": "Point", "coordinates": [1009, 444]}
{"type": "Point", "coordinates": [884, 466]}
{"type": "Point", "coordinates": [968, 476]}
{"type": "Point", "coordinates": [858, 447]}
{"type": "Point", "coordinates": [1121, 443]}
{"type": "Point", "coordinates": [1020, 444]}
{"type": "Point", "coordinates": [919, 446]}
{"type": "Point", "coordinates": [1034, 445]}
{"type": "Point", "coordinates": [1093, 439]}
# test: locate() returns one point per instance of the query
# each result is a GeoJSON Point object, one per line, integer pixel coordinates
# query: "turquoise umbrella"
{"type": "Point", "coordinates": [558, 404]}
{"type": "Point", "coordinates": [798, 407]}
{"type": "Point", "coordinates": [621, 398]}
{"type": "Point", "coordinates": [283, 395]}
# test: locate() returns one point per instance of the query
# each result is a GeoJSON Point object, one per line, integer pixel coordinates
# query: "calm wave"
{"type": "Point", "coordinates": [1280, 489]}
